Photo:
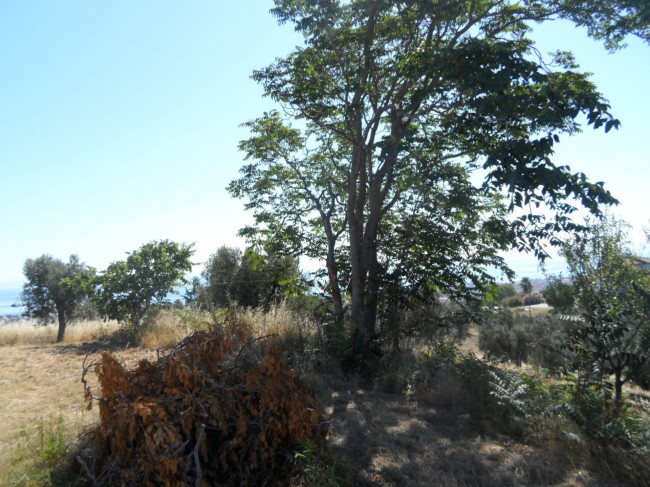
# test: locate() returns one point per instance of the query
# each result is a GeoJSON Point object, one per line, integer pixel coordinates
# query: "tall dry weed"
{"type": "Point", "coordinates": [166, 328]}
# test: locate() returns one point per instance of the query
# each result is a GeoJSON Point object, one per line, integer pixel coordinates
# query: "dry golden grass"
{"type": "Point", "coordinates": [26, 332]}
{"type": "Point", "coordinates": [166, 328]}
{"type": "Point", "coordinates": [278, 320]}
{"type": "Point", "coordinates": [41, 383]}
{"type": "Point", "coordinates": [534, 311]}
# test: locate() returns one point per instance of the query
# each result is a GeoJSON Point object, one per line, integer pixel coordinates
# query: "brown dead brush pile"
{"type": "Point", "coordinates": [217, 409]}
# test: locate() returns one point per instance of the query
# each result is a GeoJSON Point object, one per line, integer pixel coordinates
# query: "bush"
{"type": "Point", "coordinates": [514, 301]}
{"type": "Point", "coordinates": [459, 381]}
{"type": "Point", "coordinates": [217, 409]}
{"type": "Point", "coordinates": [505, 291]}
{"type": "Point", "coordinates": [532, 298]}
{"type": "Point", "coordinates": [560, 295]}
{"type": "Point", "coordinates": [522, 339]}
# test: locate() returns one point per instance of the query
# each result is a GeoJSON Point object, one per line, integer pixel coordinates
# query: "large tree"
{"type": "Point", "coordinates": [49, 294]}
{"type": "Point", "coordinates": [397, 104]}
{"type": "Point", "coordinates": [126, 290]}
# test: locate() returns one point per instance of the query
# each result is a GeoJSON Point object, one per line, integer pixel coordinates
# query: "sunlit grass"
{"type": "Point", "coordinates": [28, 332]}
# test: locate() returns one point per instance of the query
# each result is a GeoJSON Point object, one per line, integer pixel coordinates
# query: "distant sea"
{"type": "Point", "coordinates": [9, 297]}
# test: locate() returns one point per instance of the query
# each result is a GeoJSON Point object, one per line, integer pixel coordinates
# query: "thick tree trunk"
{"type": "Point", "coordinates": [355, 214]}
{"type": "Point", "coordinates": [61, 335]}
{"type": "Point", "coordinates": [357, 285]}
{"type": "Point", "coordinates": [372, 285]}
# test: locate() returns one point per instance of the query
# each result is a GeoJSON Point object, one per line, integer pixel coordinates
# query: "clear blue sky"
{"type": "Point", "coordinates": [119, 123]}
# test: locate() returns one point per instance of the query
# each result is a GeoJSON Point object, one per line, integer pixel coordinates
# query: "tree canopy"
{"type": "Point", "coordinates": [47, 295]}
{"type": "Point", "coordinates": [419, 127]}
{"type": "Point", "coordinates": [249, 278]}
{"type": "Point", "coordinates": [126, 289]}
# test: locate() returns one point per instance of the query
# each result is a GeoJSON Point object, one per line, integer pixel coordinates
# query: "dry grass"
{"type": "Point", "coordinates": [278, 320]}
{"type": "Point", "coordinates": [394, 440]}
{"type": "Point", "coordinates": [27, 332]}
{"type": "Point", "coordinates": [166, 328]}
{"type": "Point", "coordinates": [534, 311]}
{"type": "Point", "coordinates": [41, 383]}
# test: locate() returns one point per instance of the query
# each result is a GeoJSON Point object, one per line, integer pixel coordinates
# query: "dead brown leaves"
{"type": "Point", "coordinates": [218, 409]}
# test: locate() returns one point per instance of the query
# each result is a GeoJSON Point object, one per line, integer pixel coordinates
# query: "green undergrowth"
{"type": "Point", "coordinates": [575, 419]}
{"type": "Point", "coordinates": [44, 459]}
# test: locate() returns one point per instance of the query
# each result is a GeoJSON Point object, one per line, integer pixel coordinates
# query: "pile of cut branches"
{"type": "Point", "coordinates": [215, 410]}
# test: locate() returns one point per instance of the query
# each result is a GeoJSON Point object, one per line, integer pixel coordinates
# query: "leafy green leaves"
{"type": "Point", "coordinates": [126, 289]}
{"type": "Point", "coordinates": [395, 105]}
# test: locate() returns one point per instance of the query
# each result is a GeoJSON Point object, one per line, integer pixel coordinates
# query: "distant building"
{"type": "Point", "coordinates": [642, 263]}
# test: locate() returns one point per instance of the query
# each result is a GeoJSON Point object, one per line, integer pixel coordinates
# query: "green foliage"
{"type": "Point", "coordinates": [514, 302]}
{"type": "Point", "coordinates": [613, 296]}
{"type": "Point", "coordinates": [249, 279]}
{"type": "Point", "coordinates": [505, 291]}
{"type": "Point", "coordinates": [458, 380]}
{"type": "Point", "coordinates": [50, 292]}
{"type": "Point", "coordinates": [510, 391]}
{"type": "Point", "coordinates": [126, 290]}
{"type": "Point", "coordinates": [314, 469]}
{"type": "Point", "coordinates": [532, 298]}
{"type": "Point", "coordinates": [610, 20]}
{"type": "Point", "coordinates": [526, 285]}
{"type": "Point", "coordinates": [219, 276]}
{"type": "Point", "coordinates": [398, 104]}
{"type": "Point", "coordinates": [560, 295]}
{"type": "Point", "coordinates": [51, 442]}
{"type": "Point", "coordinates": [47, 461]}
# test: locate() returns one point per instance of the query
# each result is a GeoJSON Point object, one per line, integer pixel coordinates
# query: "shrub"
{"type": "Point", "coordinates": [560, 295]}
{"type": "Point", "coordinates": [505, 291]}
{"type": "Point", "coordinates": [522, 339]}
{"type": "Point", "coordinates": [532, 298]}
{"type": "Point", "coordinates": [456, 380]}
{"type": "Point", "coordinates": [217, 409]}
{"type": "Point", "coordinates": [514, 301]}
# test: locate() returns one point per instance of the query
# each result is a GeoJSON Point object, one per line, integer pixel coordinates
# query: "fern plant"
{"type": "Point", "coordinates": [509, 390]}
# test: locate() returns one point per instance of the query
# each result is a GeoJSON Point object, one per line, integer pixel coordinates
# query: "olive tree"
{"type": "Point", "coordinates": [233, 277]}
{"type": "Point", "coordinates": [49, 294]}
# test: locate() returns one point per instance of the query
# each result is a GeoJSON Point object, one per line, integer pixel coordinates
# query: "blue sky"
{"type": "Point", "coordinates": [119, 123]}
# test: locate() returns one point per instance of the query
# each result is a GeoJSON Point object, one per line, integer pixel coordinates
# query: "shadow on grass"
{"type": "Point", "coordinates": [386, 439]}
{"type": "Point", "coordinates": [116, 342]}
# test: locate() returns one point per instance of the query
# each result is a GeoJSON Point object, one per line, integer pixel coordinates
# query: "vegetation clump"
{"type": "Point", "coordinates": [520, 339]}
{"type": "Point", "coordinates": [217, 409]}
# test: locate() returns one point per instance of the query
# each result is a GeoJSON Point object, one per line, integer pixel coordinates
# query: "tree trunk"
{"type": "Point", "coordinates": [618, 392]}
{"type": "Point", "coordinates": [337, 298]}
{"type": "Point", "coordinates": [355, 215]}
{"type": "Point", "coordinates": [357, 287]}
{"type": "Point", "coordinates": [61, 334]}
